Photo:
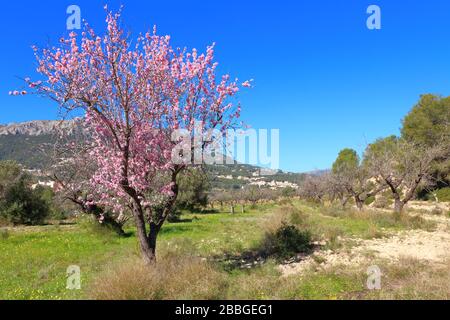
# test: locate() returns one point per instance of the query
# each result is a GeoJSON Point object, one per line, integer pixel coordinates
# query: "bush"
{"type": "Point", "coordinates": [56, 210]}
{"type": "Point", "coordinates": [369, 200]}
{"type": "Point", "coordinates": [193, 185]}
{"type": "Point", "coordinates": [288, 192]}
{"type": "Point", "coordinates": [287, 242]}
{"type": "Point", "coordinates": [21, 205]}
{"type": "Point", "coordinates": [443, 195]}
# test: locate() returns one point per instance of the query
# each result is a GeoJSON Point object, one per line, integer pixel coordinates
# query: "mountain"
{"type": "Point", "coordinates": [36, 128]}
{"type": "Point", "coordinates": [32, 151]}
{"type": "Point", "coordinates": [31, 143]}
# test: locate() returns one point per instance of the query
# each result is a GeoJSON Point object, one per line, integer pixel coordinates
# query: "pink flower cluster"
{"type": "Point", "coordinates": [134, 94]}
{"type": "Point", "coordinates": [17, 93]}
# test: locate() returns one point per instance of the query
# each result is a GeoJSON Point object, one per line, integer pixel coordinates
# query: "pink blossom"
{"type": "Point", "coordinates": [247, 84]}
{"type": "Point", "coordinates": [157, 87]}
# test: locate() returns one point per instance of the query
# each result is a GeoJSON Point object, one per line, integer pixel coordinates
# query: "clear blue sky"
{"type": "Point", "coordinates": [321, 77]}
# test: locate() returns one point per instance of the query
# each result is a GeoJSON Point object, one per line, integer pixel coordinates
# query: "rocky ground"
{"type": "Point", "coordinates": [431, 247]}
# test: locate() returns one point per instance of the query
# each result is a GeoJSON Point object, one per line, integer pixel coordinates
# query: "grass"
{"type": "Point", "coordinates": [413, 279]}
{"type": "Point", "coordinates": [173, 278]}
{"type": "Point", "coordinates": [34, 260]}
{"type": "Point", "coordinates": [34, 264]}
{"type": "Point", "coordinates": [362, 224]}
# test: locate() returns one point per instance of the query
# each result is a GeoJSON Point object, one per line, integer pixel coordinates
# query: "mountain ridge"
{"type": "Point", "coordinates": [36, 127]}
{"type": "Point", "coordinates": [30, 144]}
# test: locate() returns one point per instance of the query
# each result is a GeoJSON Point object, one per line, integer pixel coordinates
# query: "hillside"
{"type": "Point", "coordinates": [31, 143]}
{"type": "Point", "coordinates": [36, 128]}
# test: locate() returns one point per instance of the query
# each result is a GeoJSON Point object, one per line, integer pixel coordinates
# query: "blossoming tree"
{"type": "Point", "coordinates": [134, 95]}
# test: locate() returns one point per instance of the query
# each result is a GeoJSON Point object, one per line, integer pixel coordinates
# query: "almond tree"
{"type": "Point", "coordinates": [402, 166]}
{"type": "Point", "coordinates": [315, 188]}
{"type": "Point", "coordinates": [252, 194]}
{"type": "Point", "coordinates": [134, 95]}
{"type": "Point", "coordinates": [352, 179]}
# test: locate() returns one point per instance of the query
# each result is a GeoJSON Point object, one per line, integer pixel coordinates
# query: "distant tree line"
{"type": "Point", "coordinates": [405, 167]}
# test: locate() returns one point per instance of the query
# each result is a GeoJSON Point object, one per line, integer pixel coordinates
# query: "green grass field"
{"type": "Point", "coordinates": [33, 261]}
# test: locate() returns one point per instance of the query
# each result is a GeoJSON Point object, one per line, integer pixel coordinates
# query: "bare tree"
{"type": "Point", "coordinates": [252, 194]}
{"type": "Point", "coordinates": [315, 188]}
{"type": "Point", "coordinates": [403, 166]}
{"type": "Point", "coordinates": [351, 179]}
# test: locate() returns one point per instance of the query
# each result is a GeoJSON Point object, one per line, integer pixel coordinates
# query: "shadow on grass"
{"type": "Point", "coordinates": [286, 245]}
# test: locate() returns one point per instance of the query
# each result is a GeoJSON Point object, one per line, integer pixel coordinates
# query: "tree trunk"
{"type": "Point", "coordinates": [232, 209]}
{"type": "Point", "coordinates": [398, 206]}
{"type": "Point", "coordinates": [147, 243]}
{"type": "Point", "coordinates": [243, 209]}
{"type": "Point", "coordinates": [344, 201]}
{"type": "Point", "coordinates": [154, 232]}
{"type": "Point", "coordinates": [359, 203]}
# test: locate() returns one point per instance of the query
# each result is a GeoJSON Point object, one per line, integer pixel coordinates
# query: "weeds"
{"type": "Point", "coordinates": [172, 278]}
{"type": "Point", "coordinates": [4, 234]}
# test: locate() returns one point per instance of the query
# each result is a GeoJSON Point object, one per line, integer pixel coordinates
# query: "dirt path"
{"type": "Point", "coordinates": [433, 247]}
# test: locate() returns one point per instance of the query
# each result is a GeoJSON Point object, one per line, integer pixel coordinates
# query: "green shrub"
{"type": "Point", "coordinates": [56, 210]}
{"type": "Point", "coordinates": [194, 185]}
{"type": "Point", "coordinates": [19, 202]}
{"type": "Point", "coordinates": [369, 200]}
{"type": "Point", "coordinates": [286, 242]}
{"type": "Point", "coordinates": [443, 195]}
{"type": "Point", "coordinates": [23, 206]}
{"type": "Point", "coordinates": [288, 192]}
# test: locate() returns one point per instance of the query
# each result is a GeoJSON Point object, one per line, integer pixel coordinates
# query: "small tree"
{"type": "Point", "coordinates": [232, 198]}
{"type": "Point", "coordinates": [315, 188]}
{"type": "Point", "coordinates": [135, 95]}
{"type": "Point", "coordinates": [352, 179]}
{"type": "Point", "coordinates": [252, 194]}
{"type": "Point", "coordinates": [19, 202]}
{"type": "Point", "coordinates": [194, 185]}
{"type": "Point", "coordinates": [427, 123]}
{"type": "Point", "coordinates": [402, 166]}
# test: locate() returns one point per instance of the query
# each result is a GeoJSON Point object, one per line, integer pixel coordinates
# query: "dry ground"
{"type": "Point", "coordinates": [431, 247]}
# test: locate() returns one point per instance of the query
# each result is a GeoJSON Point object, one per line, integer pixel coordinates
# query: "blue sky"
{"type": "Point", "coordinates": [321, 77]}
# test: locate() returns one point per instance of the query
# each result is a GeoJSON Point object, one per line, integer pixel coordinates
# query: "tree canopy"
{"type": "Point", "coordinates": [428, 121]}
